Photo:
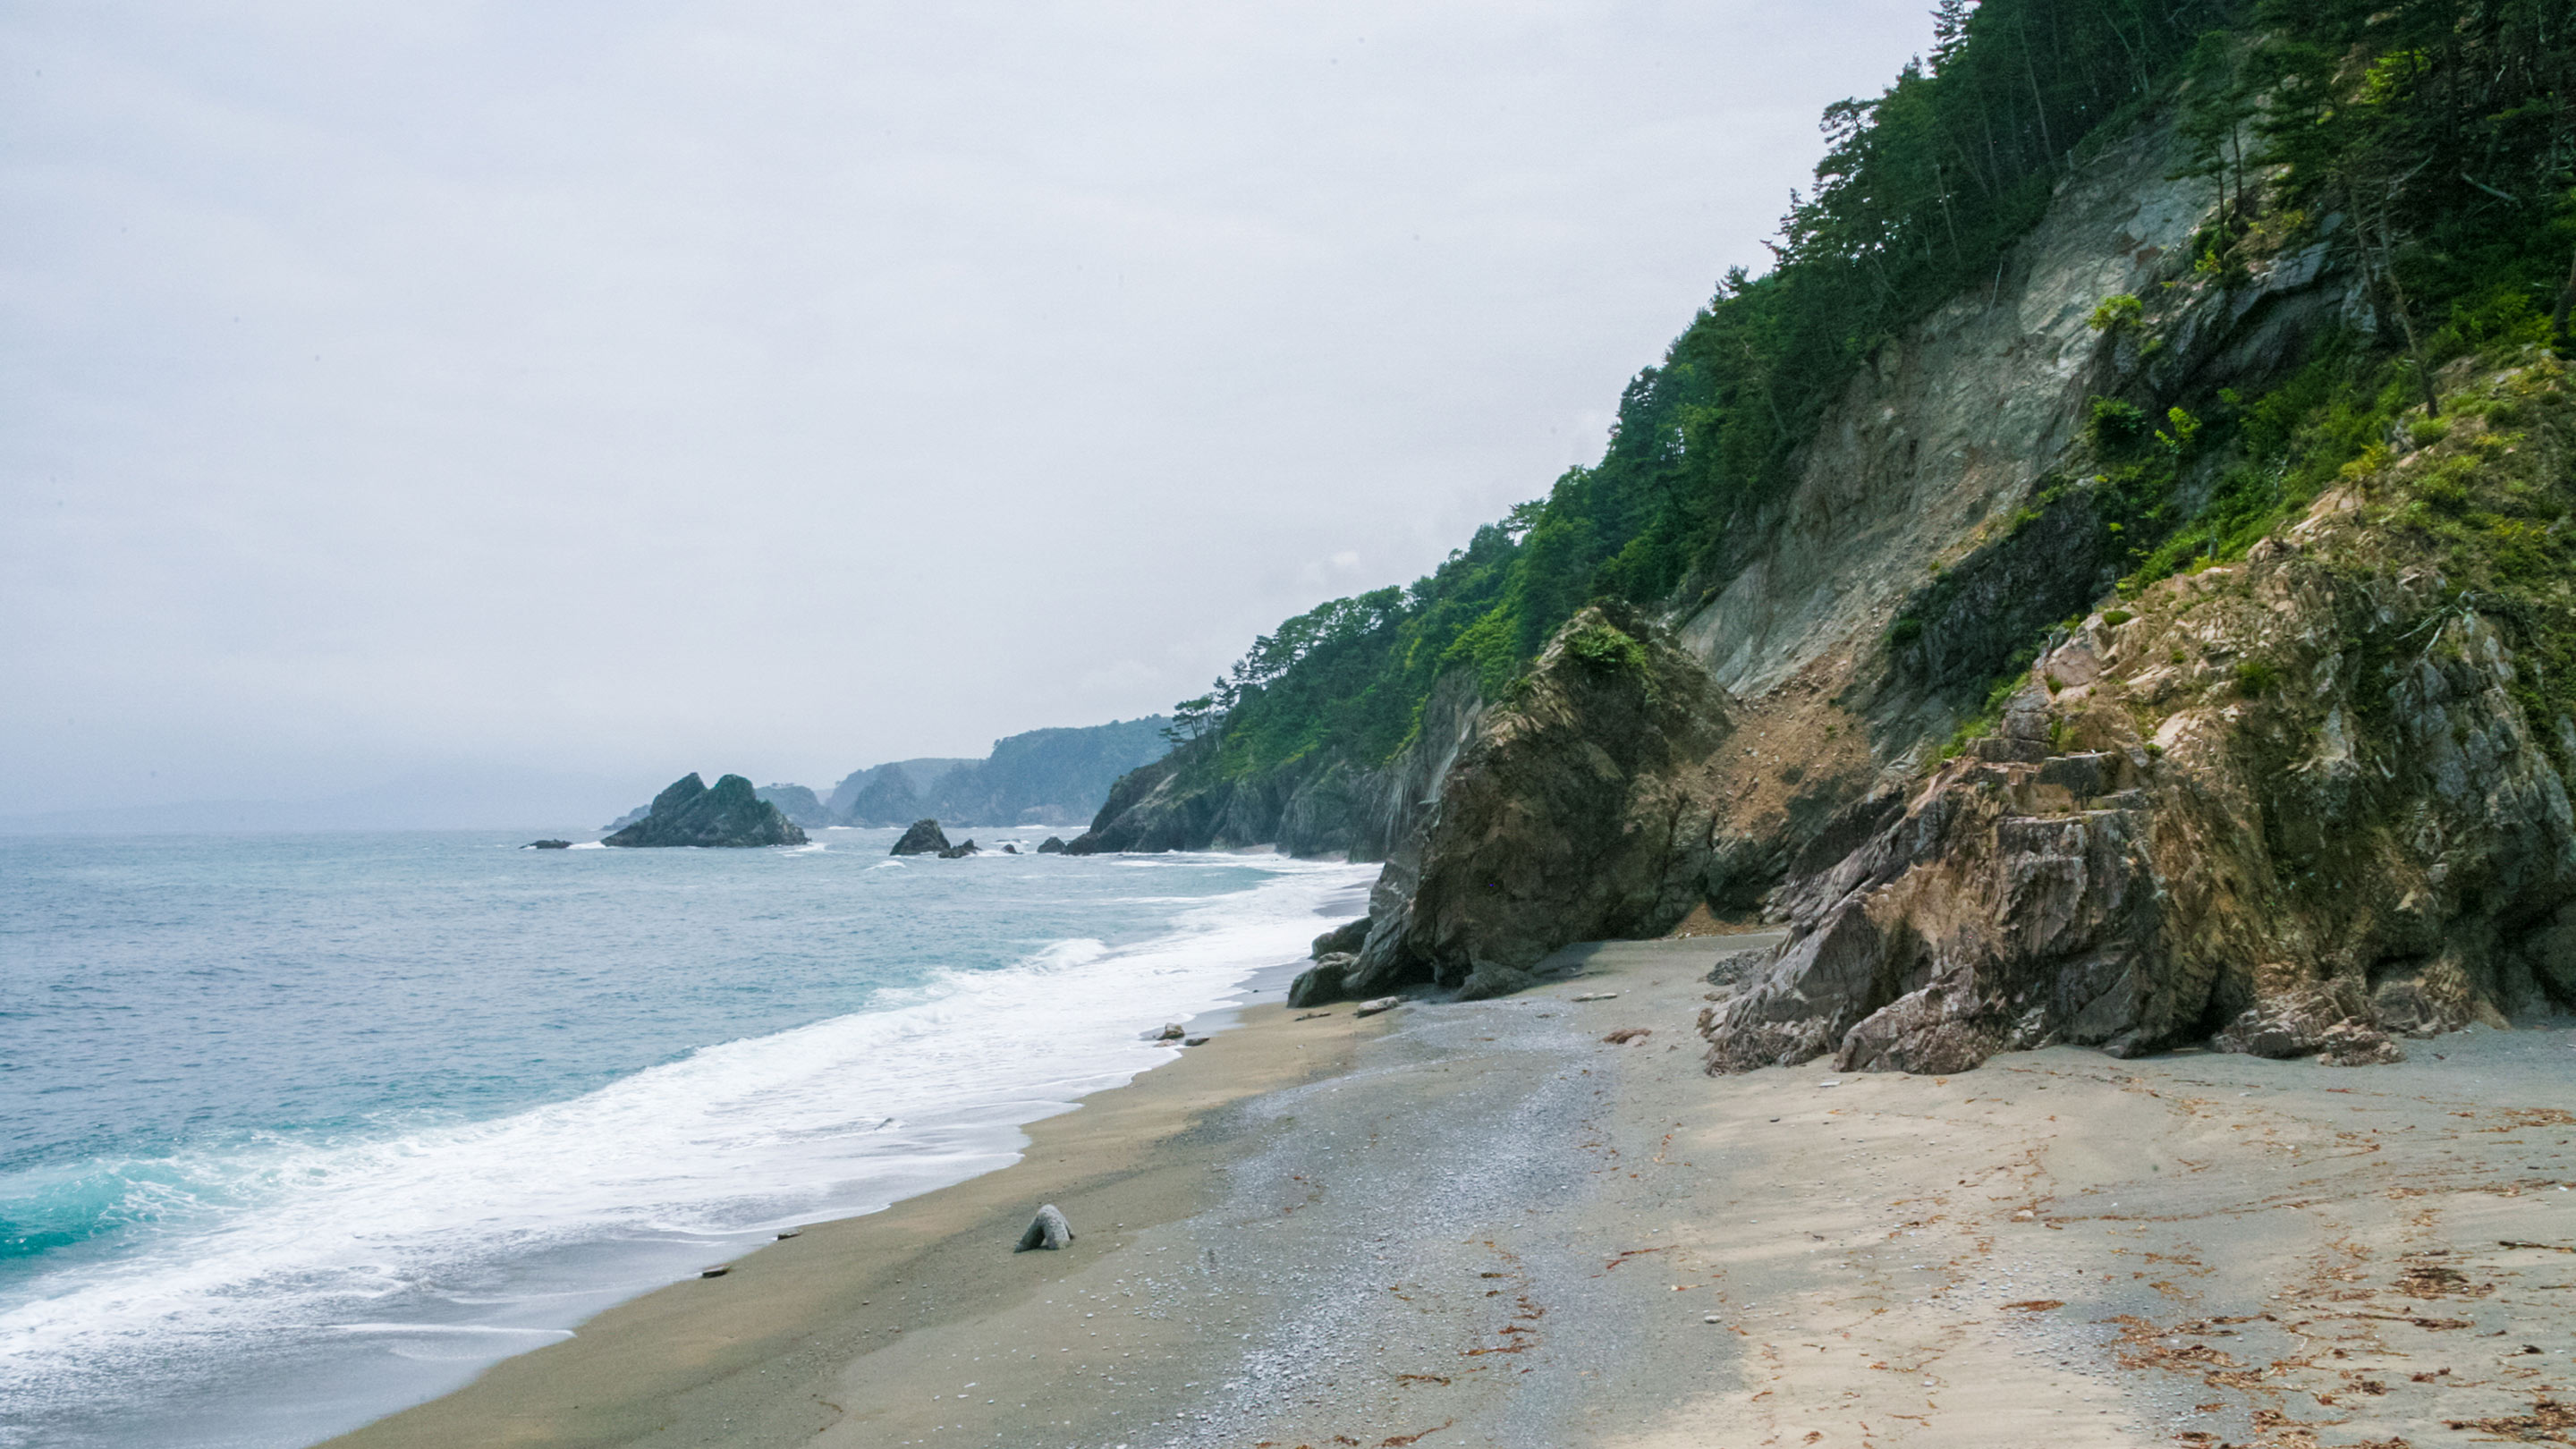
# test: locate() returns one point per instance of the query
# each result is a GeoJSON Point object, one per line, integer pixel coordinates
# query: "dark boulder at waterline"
{"type": "Point", "coordinates": [689, 813]}
{"type": "Point", "coordinates": [1052, 845]}
{"type": "Point", "coordinates": [1344, 939]}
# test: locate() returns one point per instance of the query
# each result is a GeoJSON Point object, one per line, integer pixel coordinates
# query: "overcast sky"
{"type": "Point", "coordinates": [779, 386]}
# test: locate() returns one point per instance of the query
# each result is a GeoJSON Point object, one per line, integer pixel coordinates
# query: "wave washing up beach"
{"type": "Point", "coordinates": [1524, 1222]}
{"type": "Point", "coordinates": [1492, 1224]}
{"type": "Point", "coordinates": [320, 1126]}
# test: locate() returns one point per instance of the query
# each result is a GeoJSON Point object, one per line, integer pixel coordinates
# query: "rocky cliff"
{"type": "Point", "coordinates": [689, 813]}
{"type": "Point", "coordinates": [798, 804]}
{"type": "Point", "coordinates": [2293, 801]}
{"type": "Point", "coordinates": [2168, 638]}
{"type": "Point", "coordinates": [1041, 777]}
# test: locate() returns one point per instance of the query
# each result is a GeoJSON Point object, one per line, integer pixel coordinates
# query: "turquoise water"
{"type": "Point", "coordinates": [296, 1129]}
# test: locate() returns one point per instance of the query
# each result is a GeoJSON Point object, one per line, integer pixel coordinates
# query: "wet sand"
{"type": "Point", "coordinates": [1484, 1225]}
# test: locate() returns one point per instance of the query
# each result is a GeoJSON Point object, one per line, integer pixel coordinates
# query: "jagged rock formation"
{"type": "Point", "coordinates": [924, 838]}
{"type": "Point", "coordinates": [2293, 801]}
{"type": "Point", "coordinates": [1573, 813]}
{"type": "Point", "coordinates": [689, 813]}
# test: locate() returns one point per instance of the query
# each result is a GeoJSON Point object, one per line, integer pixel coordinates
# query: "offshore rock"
{"type": "Point", "coordinates": [924, 838]}
{"type": "Point", "coordinates": [960, 851]}
{"type": "Point", "coordinates": [1052, 845]}
{"type": "Point", "coordinates": [689, 813]}
{"type": "Point", "coordinates": [547, 845]}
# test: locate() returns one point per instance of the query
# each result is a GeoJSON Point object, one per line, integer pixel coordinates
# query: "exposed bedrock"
{"type": "Point", "coordinates": [1571, 814]}
{"type": "Point", "coordinates": [2371, 844]}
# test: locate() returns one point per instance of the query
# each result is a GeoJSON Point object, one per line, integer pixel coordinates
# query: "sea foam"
{"type": "Point", "coordinates": [444, 1246]}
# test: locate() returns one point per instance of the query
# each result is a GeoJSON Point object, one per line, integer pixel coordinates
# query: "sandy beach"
{"type": "Point", "coordinates": [1483, 1224]}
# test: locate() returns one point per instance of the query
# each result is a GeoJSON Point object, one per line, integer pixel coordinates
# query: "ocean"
{"type": "Point", "coordinates": [297, 1130]}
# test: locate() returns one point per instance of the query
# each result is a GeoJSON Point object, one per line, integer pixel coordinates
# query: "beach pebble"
{"type": "Point", "coordinates": [791, 1232]}
{"type": "Point", "coordinates": [1372, 1008]}
{"type": "Point", "coordinates": [1598, 996]}
{"type": "Point", "coordinates": [718, 1271]}
{"type": "Point", "coordinates": [1171, 1032]}
{"type": "Point", "coordinates": [1047, 1230]}
{"type": "Point", "coordinates": [1194, 1041]}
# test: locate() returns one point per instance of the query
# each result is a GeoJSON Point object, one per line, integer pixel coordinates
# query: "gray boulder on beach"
{"type": "Point", "coordinates": [1047, 1230]}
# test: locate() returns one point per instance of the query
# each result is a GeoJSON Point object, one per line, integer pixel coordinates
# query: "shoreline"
{"type": "Point", "coordinates": [1482, 1224]}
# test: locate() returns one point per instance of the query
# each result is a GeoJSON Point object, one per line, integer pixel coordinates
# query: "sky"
{"type": "Point", "coordinates": [434, 389]}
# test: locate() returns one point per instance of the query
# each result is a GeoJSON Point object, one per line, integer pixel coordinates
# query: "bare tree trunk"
{"type": "Point", "coordinates": [2387, 270]}
{"type": "Point", "coordinates": [2558, 317]}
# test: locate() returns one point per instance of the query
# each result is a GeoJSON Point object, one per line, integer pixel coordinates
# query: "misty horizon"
{"type": "Point", "coordinates": [459, 392]}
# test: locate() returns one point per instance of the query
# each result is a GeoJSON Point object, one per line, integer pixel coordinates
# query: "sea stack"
{"type": "Point", "coordinates": [924, 838]}
{"type": "Point", "coordinates": [730, 815]}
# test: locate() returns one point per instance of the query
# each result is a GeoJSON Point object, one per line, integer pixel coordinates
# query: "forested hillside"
{"type": "Point", "coordinates": [2425, 144]}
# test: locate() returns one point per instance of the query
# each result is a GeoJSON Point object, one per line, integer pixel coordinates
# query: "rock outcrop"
{"type": "Point", "coordinates": [1052, 845]}
{"type": "Point", "coordinates": [1327, 980]}
{"type": "Point", "coordinates": [1575, 812]}
{"type": "Point", "coordinates": [923, 838]}
{"type": "Point", "coordinates": [1347, 937]}
{"type": "Point", "coordinates": [689, 813]}
{"type": "Point", "coordinates": [2293, 805]}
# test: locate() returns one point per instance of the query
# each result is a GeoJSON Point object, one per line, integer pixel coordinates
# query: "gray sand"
{"type": "Point", "coordinates": [1487, 1226]}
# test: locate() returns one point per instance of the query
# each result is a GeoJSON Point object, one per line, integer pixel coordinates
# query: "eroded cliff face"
{"type": "Point", "coordinates": [2304, 802]}
{"type": "Point", "coordinates": [2297, 803]}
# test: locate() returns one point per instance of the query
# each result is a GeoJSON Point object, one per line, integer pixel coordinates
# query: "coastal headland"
{"type": "Point", "coordinates": [1488, 1224]}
